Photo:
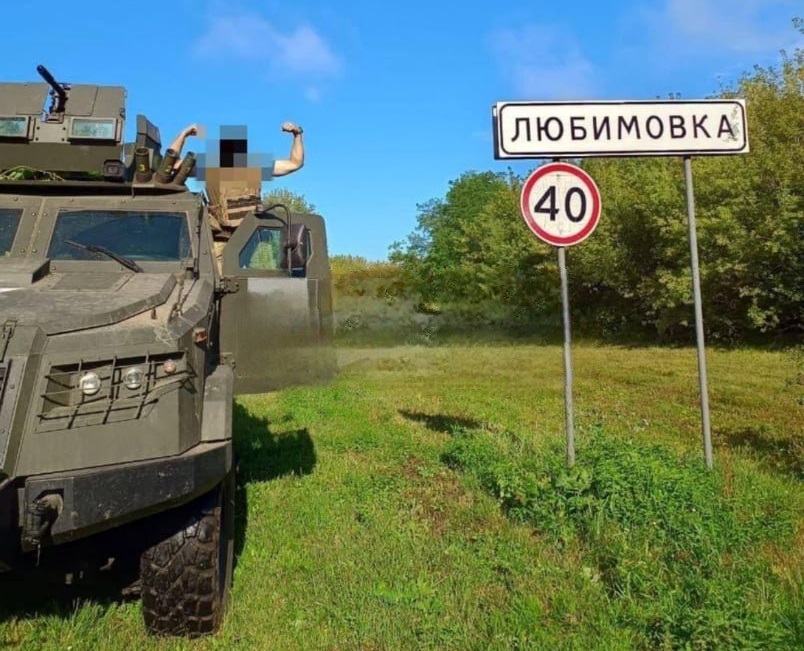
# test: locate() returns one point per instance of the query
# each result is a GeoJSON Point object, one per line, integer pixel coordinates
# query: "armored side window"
{"type": "Point", "coordinates": [9, 221]}
{"type": "Point", "coordinates": [14, 127]}
{"type": "Point", "coordinates": [265, 251]}
{"type": "Point", "coordinates": [93, 129]}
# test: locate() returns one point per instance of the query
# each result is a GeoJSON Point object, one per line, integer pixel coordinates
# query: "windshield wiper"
{"type": "Point", "coordinates": [97, 248]}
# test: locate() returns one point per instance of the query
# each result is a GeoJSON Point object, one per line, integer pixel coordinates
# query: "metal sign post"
{"type": "Point", "coordinates": [561, 205]}
{"type": "Point", "coordinates": [568, 408]}
{"type": "Point", "coordinates": [696, 296]}
{"type": "Point", "coordinates": [558, 129]}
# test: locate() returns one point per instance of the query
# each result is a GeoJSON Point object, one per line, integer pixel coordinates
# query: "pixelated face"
{"type": "Point", "coordinates": [227, 161]}
{"type": "Point", "coordinates": [234, 152]}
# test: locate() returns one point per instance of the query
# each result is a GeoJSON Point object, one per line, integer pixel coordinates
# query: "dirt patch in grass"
{"type": "Point", "coordinates": [434, 496]}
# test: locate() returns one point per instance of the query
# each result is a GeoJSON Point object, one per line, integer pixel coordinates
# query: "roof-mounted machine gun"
{"type": "Point", "coordinates": [80, 134]}
{"type": "Point", "coordinates": [58, 96]}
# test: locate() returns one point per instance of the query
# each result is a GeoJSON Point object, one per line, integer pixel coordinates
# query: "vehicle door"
{"type": "Point", "coordinates": [276, 312]}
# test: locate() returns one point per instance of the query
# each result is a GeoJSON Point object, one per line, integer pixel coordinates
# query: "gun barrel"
{"type": "Point", "coordinates": [55, 85]}
{"type": "Point", "coordinates": [50, 79]}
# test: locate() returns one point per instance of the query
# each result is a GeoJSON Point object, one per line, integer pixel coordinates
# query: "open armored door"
{"type": "Point", "coordinates": [276, 317]}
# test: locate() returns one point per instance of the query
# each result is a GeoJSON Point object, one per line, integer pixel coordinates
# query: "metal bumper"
{"type": "Point", "coordinates": [92, 501]}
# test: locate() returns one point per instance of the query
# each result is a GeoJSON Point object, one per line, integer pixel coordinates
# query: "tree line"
{"type": "Point", "coordinates": [472, 256]}
{"type": "Point", "coordinates": [472, 248]}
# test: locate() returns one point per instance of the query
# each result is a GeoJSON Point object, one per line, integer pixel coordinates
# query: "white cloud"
{"type": "Point", "coordinates": [739, 26]}
{"type": "Point", "coordinates": [541, 63]}
{"type": "Point", "coordinates": [250, 36]}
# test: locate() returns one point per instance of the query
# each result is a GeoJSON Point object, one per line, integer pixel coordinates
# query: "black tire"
{"type": "Point", "coordinates": [185, 577]}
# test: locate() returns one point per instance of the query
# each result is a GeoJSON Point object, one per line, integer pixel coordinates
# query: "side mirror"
{"type": "Point", "coordinates": [296, 247]}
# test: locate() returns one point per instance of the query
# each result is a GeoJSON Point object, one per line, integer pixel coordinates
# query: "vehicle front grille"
{"type": "Point", "coordinates": [64, 405]}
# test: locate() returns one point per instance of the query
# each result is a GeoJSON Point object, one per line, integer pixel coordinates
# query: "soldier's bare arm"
{"type": "Point", "coordinates": [296, 160]}
{"type": "Point", "coordinates": [178, 143]}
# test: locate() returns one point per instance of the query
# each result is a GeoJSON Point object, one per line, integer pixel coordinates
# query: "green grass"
{"type": "Point", "coordinates": [420, 501]}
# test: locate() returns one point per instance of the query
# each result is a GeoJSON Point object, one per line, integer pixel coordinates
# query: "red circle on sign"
{"type": "Point", "coordinates": [589, 185]}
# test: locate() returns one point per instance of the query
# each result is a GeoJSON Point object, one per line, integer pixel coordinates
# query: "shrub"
{"type": "Point", "coordinates": [679, 559]}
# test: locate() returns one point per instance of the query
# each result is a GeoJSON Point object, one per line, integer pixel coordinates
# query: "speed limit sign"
{"type": "Point", "coordinates": [561, 204]}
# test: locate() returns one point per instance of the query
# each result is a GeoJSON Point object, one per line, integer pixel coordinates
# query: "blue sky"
{"type": "Point", "coordinates": [395, 98]}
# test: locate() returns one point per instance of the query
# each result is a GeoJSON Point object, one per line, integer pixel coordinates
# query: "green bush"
{"type": "Point", "coordinates": [680, 558]}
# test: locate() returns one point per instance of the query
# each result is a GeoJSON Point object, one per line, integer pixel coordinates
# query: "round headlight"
{"type": "Point", "coordinates": [89, 384]}
{"type": "Point", "coordinates": [133, 378]}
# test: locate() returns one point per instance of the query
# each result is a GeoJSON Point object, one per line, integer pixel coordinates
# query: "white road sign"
{"type": "Point", "coordinates": [613, 128]}
{"type": "Point", "coordinates": [560, 204]}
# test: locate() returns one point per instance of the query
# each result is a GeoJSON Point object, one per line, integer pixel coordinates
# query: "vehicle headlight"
{"type": "Point", "coordinates": [132, 378]}
{"type": "Point", "coordinates": [90, 383]}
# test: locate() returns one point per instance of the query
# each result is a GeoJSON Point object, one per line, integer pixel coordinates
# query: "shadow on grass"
{"type": "Point", "coordinates": [263, 452]}
{"type": "Point", "coordinates": [781, 455]}
{"type": "Point", "coordinates": [441, 422]}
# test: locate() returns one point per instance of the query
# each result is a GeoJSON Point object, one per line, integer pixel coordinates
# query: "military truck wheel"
{"type": "Point", "coordinates": [186, 576]}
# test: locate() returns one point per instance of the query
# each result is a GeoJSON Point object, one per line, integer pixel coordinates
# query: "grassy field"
{"type": "Point", "coordinates": [420, 502]}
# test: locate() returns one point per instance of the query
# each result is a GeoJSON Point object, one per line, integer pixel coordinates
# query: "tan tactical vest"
{"type": "Point", "coordinates": [232, 194]}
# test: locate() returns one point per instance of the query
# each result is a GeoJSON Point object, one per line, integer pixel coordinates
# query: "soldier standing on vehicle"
{"type": "Point", "coordinates": [234, 188]}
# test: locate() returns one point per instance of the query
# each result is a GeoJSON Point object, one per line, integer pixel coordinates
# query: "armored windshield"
{"type": "Point", "coordinates": [9, 221]}
{"type": "Point", "coordinates": [137, 235]}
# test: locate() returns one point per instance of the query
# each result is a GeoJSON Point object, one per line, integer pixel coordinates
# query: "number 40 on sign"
{"type": "Point", "coordinates": [560, 204]}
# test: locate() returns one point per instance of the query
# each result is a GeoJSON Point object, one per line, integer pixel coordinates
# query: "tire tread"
{"type": "Point", "coordinates": [179, 576]}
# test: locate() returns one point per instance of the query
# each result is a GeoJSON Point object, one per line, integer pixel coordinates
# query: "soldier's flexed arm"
{"type": "Point", "coordinates": [178, 143]}
{"type": "Point", "coordinates": [296, 160]}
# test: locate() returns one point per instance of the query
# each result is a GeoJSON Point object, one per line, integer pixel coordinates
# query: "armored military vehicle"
{"type": "Point", "coordinates": [122, 345]}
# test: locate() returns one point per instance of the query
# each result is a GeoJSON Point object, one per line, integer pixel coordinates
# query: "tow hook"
{"type": "Point", "coordinates": [40, 516]}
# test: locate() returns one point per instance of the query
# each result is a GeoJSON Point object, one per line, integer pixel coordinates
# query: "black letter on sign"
{"type": "Point", "coordinates": [655, 119]}
{"type": "Point", "coordinates": [725, 127]}
{"type": "Point", "coordinates": [677, 128]}
{"type": "Point", "coordinates": [551, 196]}
{"type": "Point", "coordinates": [578, 130]}
{"type": "Point", "coordinates": [628, 126]}
{"type": "Point", "coordinates": [599, 128]}
{"type": "Point", "coordinates": [568, 205]}
{"type": "Point", "coordinates": [544, 129]}
{"type": "Point", "coordinates": [699, 124]}
{"type": "Point", "coordinates": [516, 129]}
